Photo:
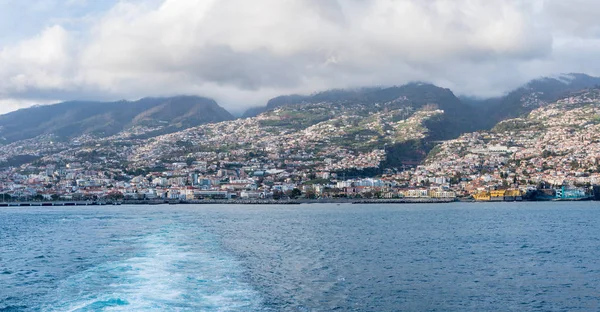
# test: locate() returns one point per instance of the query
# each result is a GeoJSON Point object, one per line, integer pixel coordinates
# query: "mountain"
{"type": "Point", "coordinates": [333, 95]}
{"type": "Point", "coordinates": [459, 115]}
{"type": "Point", "coordinates": [558, 143]}
{"type": "Point", "coordinates": [416, 94]}
{"type": "Point", "coordinates": [337, 130]}
{"type": "Point", "coordinates": [334, 130]}
{"type": "Point", "coordinates": [253, 111]}
{"type": "Point", "coordinates": [148, 115]}
{"type": "Point", "coordinates": [535, 94]}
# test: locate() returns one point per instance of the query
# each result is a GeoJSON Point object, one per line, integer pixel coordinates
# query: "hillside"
{"type": "Point", "coordinates": [479, 113]}
{"type": "Point", "coordinates": [146, 116]}
{"type": "Point", "coordinates": [535, 94]}
{"type": "Point", "coordinates": [412, 136]}
{"type": "Point", "coordinates": [558, 143]}
{"type": "Point", "coordinates": [419, 93]}
{"type": "Point", "coordinates": [459, 117]}
{"type": "Point", "coordinates": [335, 130]}
{"type": "Point", "coordinates": [387, 127]}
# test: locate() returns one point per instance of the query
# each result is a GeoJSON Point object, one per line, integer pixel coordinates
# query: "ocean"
{"type": "Point", "coordinates": [318, 257]}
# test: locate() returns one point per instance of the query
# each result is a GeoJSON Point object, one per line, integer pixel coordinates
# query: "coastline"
{"type": "Point", "coordinates": [229, 202]}
{"type": "Point", "coordinates": [260, 202]}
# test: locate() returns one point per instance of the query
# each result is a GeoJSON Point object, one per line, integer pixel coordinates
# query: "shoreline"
{"type": "Point", "coordinates": [258, 202]}
{"type": "Point", "coordinates": [226, 202]}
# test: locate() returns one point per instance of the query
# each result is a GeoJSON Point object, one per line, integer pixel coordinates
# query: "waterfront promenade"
{"type": "Point", "coordinates": [229, 201]}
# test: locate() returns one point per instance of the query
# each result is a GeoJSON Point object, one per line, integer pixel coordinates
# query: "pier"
{"type": "Point", "coordinates": [230, 202]}
{"type": "Point", "coordinates": [57, 203]}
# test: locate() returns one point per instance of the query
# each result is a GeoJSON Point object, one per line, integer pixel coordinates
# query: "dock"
{"type": "Point", "coordinates": [57, 203]}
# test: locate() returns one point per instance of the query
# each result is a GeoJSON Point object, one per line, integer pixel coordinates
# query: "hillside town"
{"type": "Point", "coordinates": [320, 151]}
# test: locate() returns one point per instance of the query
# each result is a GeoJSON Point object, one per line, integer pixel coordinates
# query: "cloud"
{"type": "Point", "coordinates": [8, 105]}
{"type": "Point", "coordinates": [243, 52]}
{"type": "Point", "coordinates": [42, 62]}
{"type": "Point", "coordinates": [574, 18]}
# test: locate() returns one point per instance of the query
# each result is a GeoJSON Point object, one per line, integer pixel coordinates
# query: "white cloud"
{"type": "Point", "coordinates": [573, 18]}
{"type": "Point", "coordinates": [42, 62]}
{"type": "Point", "coordinates": [243, 52]}
{"type": "Point", "coordinates": [9, 105]}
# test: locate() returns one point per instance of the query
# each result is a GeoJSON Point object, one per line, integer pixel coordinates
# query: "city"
{"type": "Point", "coordinates": [299, 155]}
{"type": "Point", "coordinates": [339, 157]}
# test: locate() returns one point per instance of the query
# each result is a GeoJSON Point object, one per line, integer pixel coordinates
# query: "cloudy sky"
{"type": "Point", "coordinates": [243, 52]}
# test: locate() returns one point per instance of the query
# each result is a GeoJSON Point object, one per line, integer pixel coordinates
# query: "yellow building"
{"type": "Point", "coordinates": [514, 193]}
{"type": "Point", "coordinates": [498, 195]}
{"type": "Point", "coordinates": [482, 196]}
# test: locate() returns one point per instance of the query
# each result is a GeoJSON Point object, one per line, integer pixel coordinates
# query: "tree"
{"type": "Point", "coordinates": [115, 196]}
{"type": "Point", "coordinates": [574, 164]}
{"type": "Point", "coordinates": [295, 193]}
{"type": "Point", "coordinates": [277, 194]}
{"type": "Point", "coordinates": [456, 179]}
{"type": "Point", "coordinates": [310, 194]}
{"type": "Point", "coordinates": [189, 161]}
{"type": "Point", "coordinates": [55, 197]}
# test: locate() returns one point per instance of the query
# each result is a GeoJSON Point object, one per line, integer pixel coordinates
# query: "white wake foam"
{"type": "Point", "coordinates": [173, 272]}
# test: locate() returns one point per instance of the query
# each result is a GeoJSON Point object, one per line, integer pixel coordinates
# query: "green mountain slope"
{"type": "Point", "coordinates": [536, 93]}
{"type": "Point", "coordinates": [332, 131]}
{"type": "Point", "coordinates": [558, 143]}
{"type": "Point", "coordinates": [71, 119]}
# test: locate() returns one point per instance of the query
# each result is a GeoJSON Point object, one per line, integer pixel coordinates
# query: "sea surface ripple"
{"type": "Point", "coordinates": [444, 257]}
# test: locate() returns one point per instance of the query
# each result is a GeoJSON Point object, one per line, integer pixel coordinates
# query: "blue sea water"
{"type": "Point", "coordinates": [445, 257]}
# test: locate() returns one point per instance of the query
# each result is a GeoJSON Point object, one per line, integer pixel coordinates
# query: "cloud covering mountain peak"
{"type": "Point", "coordinates": [244, 52]}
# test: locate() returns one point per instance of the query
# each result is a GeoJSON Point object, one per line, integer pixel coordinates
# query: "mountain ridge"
{"type": "Point", "coordinates": [153, 116]}
{"type": "Point", "coordinates": [558, 143]}
{"type": "Point", "coordinates": [492, 110]}
{"type": "Point", "coordinates": [67, 119]}
{"type": "Point", "coordinates": [534, 94]}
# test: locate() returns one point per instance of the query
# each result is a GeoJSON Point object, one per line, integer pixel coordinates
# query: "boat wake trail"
{"type": "Point", "coordinates": [176, 269]}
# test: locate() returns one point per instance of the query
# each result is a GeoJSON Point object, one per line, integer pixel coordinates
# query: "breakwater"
{"type": "Point", "coordinates": [57, 203]}
{"type": "Point", "coordinates": [230, 202]}
{"type": "Point", "coordinates": [291, 201]}
{"type": "Point", "coordinates": [405, 201]}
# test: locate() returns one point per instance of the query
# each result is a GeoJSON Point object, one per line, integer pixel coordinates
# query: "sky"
{"type": "Point", "coordinates": [244, 52]}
